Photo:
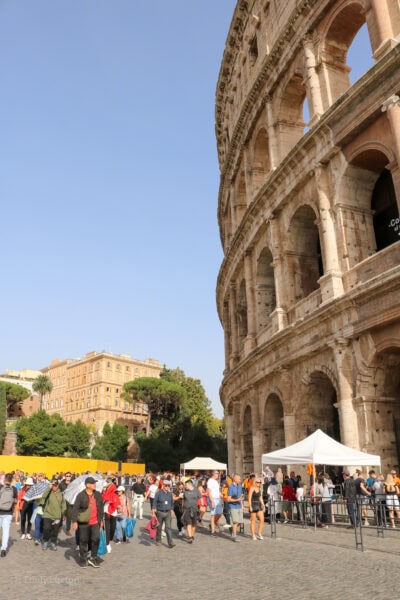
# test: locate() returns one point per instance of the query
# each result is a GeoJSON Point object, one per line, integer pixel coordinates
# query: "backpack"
{"type": "Point", "coordinates": [6, 498]}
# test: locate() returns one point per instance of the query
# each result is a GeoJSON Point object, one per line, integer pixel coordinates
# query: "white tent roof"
{"type": "Point", "coordinates": [201, 463]}
{"type": "Point", "coordinates": [320, 449]}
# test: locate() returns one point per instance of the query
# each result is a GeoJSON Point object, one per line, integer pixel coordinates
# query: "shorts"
{"type": "Point", "coordinates": [287, 505]}
{"type": "Point", "coordinates": [218, 508]}
{"type": "Point", "coordinates": [363, 500]}
{"type": "Point", "coordinates": [237, 515]}
{"type": "Point", "coordinates": [392, 501]}
{"type": "Point", "coordinates": [190, 517]}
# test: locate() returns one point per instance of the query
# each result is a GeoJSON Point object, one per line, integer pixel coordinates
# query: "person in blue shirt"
{"type": "Point", "coordinates": [163, 508]}
{"type": "Point", "coordinates": [235, 503]}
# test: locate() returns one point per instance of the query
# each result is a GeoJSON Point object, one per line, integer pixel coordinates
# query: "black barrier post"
{"type": "Point", "coordinates": [380, 517]}
{"type": "Point", "coordinates": [358, 525]}
{"type": "Point", "coordinates": [272, 516]}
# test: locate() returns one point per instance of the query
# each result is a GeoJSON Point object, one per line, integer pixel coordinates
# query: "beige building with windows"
{"type": "Point", "coordinates": [308, 291]}
{"type": "Point", "coordinates": [90, 389]}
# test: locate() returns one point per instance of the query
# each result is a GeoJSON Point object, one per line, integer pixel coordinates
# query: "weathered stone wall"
{"type": "Point", "coordinates": [308, 289]}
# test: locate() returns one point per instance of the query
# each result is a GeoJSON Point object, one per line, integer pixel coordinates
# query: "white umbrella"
{"type": "Point", "coordinates": [78, 485]}
{"type": "Point", "coordinates": [36, 491]}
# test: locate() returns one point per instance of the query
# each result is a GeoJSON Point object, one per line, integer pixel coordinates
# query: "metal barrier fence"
{"type": "Point", "coordinates": [339, 512]}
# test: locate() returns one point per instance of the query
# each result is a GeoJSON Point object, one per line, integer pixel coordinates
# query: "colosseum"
{"type": "Point", "coordinates": [309, 288]}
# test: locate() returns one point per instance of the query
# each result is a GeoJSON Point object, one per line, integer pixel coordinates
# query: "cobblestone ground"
{"type": "Point", "coordinates": [299, 563]}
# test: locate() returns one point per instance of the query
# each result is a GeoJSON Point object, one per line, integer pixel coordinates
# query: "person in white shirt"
{"type": "Point", "coordinates": [214, 501]}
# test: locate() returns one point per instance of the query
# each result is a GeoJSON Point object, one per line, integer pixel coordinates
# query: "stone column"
{"type": "Point", "coordinates": [234, 329]}
{"type": "Point", "coordinates": [250, 340]}
{"type": "Point", "coordinates": [289, 422]}
{"type": "Point", "coordinates": [347, 414]}
{"type": "Point", "coordinates": [227, 336]}
{"type": "Point", "coordinates": [279, 315]}
{"type": "Point", "coordinates": [378, 16]}
{"type": "Point", "coordinates": [248, 174]}
{"type": "Point", "coordinates": [272, 139]}
{"type": "Point", "coordinates": [313, 86]}
{"type": "Point", "coordinates": [237, 437]}
{"type": "Point", "coordinates": [391, 106]}
{"type": "Point", "coordinates": [331, 282]}
{"type": "Point", "coordinates": [230, 438]}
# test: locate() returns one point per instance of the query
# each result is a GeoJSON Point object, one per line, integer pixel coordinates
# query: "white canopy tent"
{"type": "Point", "coordinates": [320, 449]}
{"type": "Point", "coordinates": [201, 463]}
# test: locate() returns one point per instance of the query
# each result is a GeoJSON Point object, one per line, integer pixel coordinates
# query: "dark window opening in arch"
{"type": "Point", "coordinates": [242, 312]}
{"type": "Point", "coordinates": [386, 214]}
{"type": "Point", "coordinates": [265, 288]}
{"type": "Point", "coordinates": [305, 260]}
{"type": "Point", "coordinates": [322, 412]}
{"type": "Point", "coordinates": [248, 450]}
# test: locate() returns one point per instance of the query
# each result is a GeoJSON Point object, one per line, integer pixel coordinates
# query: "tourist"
{"type": "Point", "coordinates": [26, 510]}
{"type": "Point", "coordinates": [190, 497]}
{"type": "Point", "coordinates": [288, 497]}
{"type": "Point", "coordinates": [177, 496]}
{"type": "Point", "coordinates": [8, 501]}
{"type": "Point", "coordinates": [379, 493]}
{"type": "Point", "coordinates": [235, 503]}
{"type": "Point", "coordinates": [54, 507]}
{"type": "Point", "coordinates": [87, 519]}
{"type": "Point", "coordinates": [64, 483]}
{"type": "Point", "coordinates": [111, 504]}
{"type": "Point", "coordinates": [256, 509]}
{"type": "Point", "coordinates": [202, 501]}
{"type": "Point", "coordinates": [275, 495]}
{"type": "Point", "coordinates": [139, 493]}
{"type": "Point", "coordinates": [124, 513]}
{"type": "Point", "coordinates": [392, 500]}
{"type": "Point", "coordinates": [350, 496]}
{"type": "Point", "coordinates": [163, 506]}
{"type": "Point", "coordinates": [363, 495]}
{"type": "Point", "coordinates": [214, 501]}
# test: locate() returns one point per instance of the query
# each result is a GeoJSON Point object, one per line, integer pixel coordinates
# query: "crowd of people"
{"type": "Point", "coordinates": [104, 504]}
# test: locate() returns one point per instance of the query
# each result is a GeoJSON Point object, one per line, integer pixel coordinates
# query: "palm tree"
{"type": "Point", "coordinates": [42, 385]}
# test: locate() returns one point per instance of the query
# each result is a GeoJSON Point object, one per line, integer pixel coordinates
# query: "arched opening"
{"type": "Point", "coordinates": [242, 312]}
{"type": "Point", "coordinates": [228, 225]}
{"type": "Point", "coordinates": [261, 163]}
{"type": "Point", "coordinates": [320, 407]}
{"type": "Point", "coordinates": [241, 204]}
{"type": "Point", "coordinates": [386, 214]}
{"type": "Point", "coordinates": [274, 431]}
{"type": "Point", "coordinates": [340, 36]}
{"type": "Point", "coordinates": [306, 115]}
{"type": "Point", "coordinates": [385, 414]}
{"type": "Point", "coordinates": [305, 260]}
{"type": "Point", "coordinates": [248, 452]}
{"type": "Point", "coordinates": [290, 120]}
{"type": "Point", "coordinates": [265, 288]}
{"type": "Point", "coordinates": [359, 55]}
{"type": "Point", "coordinates": [372, 214]}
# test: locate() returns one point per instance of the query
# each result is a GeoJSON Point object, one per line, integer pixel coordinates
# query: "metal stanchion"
{"type": "Point", "coordinates": [272, 517]}
{"type": "Point", "coordinates": [380, 517]}
{"type": "Point", "coordinates": [358, 533]}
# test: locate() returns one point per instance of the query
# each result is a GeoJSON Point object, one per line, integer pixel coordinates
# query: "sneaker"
{"type": "Point", "coordinates": [83, 564]}
{"type": "Point", "coordinates": [172, 545]}
{"type": "Point", "coordinates": [37, 542]}
{"type": "Point", "coordinates": [108, 548]}
{"type": "Point", "coordinates": [163, 534]}
{"type": "Point", "coordinates": [22, 536]}
{"type": "Point", "coordinates": [3, 553]}
{"type": "Point", "coordinates": [180, 533]}
{"type": "Point", "coordinates": [253, 537]}
{"type": "Point", "coordinates": [93, 563]}
{"type": "Point", "coordinates": [234, 539]}
{"type": "Point", "coordinates": [286, 521]}
{"type": "Point", "coordinates": [366, 523]}
{"type": "Point", "coordinates": [158, 543]}
{"type": "Point", "coordinates": [28, 536]}
{"type": "Point", "coordinates": [77, 548]}
{"type": "Point", "coordinates": [52, 547]}
{"type": "Point", "coordinates": [259, 536]}
{"type": "Point", "coordinates": [44, 546]}
{"type": "Point", "coordinates": [190, 540]}
{"type": "Point", "coordinates": [117, 541]}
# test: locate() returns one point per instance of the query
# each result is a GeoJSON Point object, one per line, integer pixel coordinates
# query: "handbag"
{"type": "Point", "coordinates": [130, 527]}
{"type": "Point", "coordinates": [102, 549]}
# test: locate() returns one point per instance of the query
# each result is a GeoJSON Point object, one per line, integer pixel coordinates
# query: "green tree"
{"type": "Point", "coordinates": [165, 400]}
{"type": "Point", "coordinates": [112, 444]}
{"type": "Point", "coordinates": [42, 435]}
{"type": "Point", "coordinates": [78, 436]}
{"type": "Point", "coordinates": [42, 385]}
{"type": "Point", "coordinates": [13, 394]}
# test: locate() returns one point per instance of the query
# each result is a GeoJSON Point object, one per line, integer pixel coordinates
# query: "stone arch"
{"type": "Point", "coordinates": [290, 114]}
{"type": "Point", "coordinates": [261, 162]}
{"type": "Point", "coordinates": [305, 258]}
{"type": "Point", "coordinates": [384, 410]}
{"type": "Point", "coordinates": [367, 190]}
{"type": "Point", "coordinates": [328, 371]}
{"type": "Point", "coordinates": [265, 288]}
{"type": "Point", "coordinates": [248, 450]}
{"type": "Point", "coordinates": [318, 407]}
{"type": "Point", "coordinates": [340, 29]}
{"type": "Point", "coordinates": [273, 425]}
{"type": "Point", "coordinates": [242, 312]}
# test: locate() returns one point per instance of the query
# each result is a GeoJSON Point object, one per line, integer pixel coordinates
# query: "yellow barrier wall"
{"type": "Point", "coordinates": [54, 464]}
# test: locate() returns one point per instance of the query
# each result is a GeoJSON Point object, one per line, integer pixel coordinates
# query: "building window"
{"type": "Point", "coordinates": [107, 389]}
{"type": "Point", "coordinates": [118, 367]}
{"type": "Point", "coordinates": [108, 365]}
{"type": "Point", "coordinates": [117, 390]}
{"type": "Point", "coordinates": [127, 369]}
{"type": "Point", "coordinates": [253, 50]}
{"type": "Point", "coordinates": [117, 402]}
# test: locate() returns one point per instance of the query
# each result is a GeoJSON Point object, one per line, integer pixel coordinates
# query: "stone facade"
{"type": "Point", "coordinates": [308, 291]}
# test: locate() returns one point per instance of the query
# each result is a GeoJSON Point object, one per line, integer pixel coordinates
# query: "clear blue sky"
{"type": "Point", "coordinates": [109, 182]}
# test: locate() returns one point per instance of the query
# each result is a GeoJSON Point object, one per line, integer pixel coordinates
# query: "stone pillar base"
{"type": "Point", "coordinates": [331, 286]}
{"type": "Point", "coordinates": [278, 320]}
{"type": "Point", "coordinates": [249, 344]}
{"type": "Point", "coordinates": [384, 48]}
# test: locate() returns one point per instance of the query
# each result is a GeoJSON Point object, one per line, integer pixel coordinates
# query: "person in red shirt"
{"type": "Point", "coordinates": [112, 508]}
{"type": "Point", "coordinates": [288, 496]}
{"type": "Point", "coordinates": [89, 531]}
